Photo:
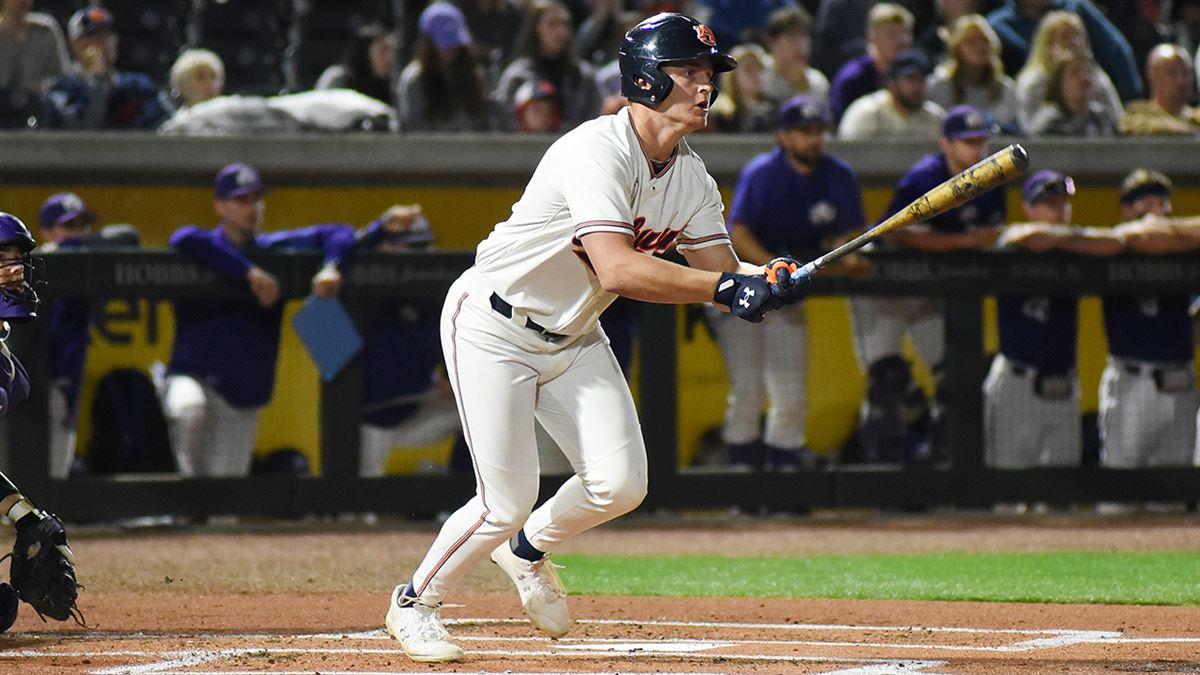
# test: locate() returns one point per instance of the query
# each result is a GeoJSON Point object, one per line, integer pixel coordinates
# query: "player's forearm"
{"type": "Point", "coordinates": [650, 279]}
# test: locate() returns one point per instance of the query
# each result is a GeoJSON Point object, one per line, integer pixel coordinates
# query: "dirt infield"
{"type": "Point", "coordinates": [310, 599]}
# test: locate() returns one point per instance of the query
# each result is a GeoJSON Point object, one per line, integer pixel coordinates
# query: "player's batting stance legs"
{"type": "Point", "coordinates": [503, 376]}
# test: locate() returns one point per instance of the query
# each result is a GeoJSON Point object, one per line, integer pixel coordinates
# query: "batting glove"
{"type": "Point", "coordinates": [786, 288]}
{"type": "Point", "coordinates": [747, 296]}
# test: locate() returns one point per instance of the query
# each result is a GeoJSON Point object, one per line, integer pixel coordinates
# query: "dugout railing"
{"type": "Point", "coordinates": [962, 279]}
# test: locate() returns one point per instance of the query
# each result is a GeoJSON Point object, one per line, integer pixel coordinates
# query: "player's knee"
{"type": "Point", "coordinates": [620, 494]}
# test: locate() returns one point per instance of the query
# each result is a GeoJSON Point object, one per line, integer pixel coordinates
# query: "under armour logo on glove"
{"type": "Point", "coordinates": [747, 296]}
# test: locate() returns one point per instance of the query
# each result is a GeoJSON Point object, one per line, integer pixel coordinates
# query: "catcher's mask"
{"type": "Point", "coordinates": [19, 303]}
{"type": "Point", "coordinates": [665, 38]}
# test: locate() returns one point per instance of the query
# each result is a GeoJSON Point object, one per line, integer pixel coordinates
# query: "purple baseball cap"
{"type": "Point", "coordinates": [800, 111]}
{"type": "Point", "coordinates": [1047, 183]}
{"type": "Point", "coordinates": [236, 180]}
{"type": "Point", "coordinates": [445, 25]}
{"type": "Point", "coordinates": [965, 121]}
{"type": "Point", "coordinates": [89, 20]}
{"type": "Point", "coordinates": [61, 208]}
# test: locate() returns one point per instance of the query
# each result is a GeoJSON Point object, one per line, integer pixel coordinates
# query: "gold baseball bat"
{"type": "Point", "coordinates": [991, 172]}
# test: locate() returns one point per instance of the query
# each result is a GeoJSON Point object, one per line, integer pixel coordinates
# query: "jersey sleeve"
{"type": "Point", "coordinates": [707, 227]}
{"type": "Point", "coordinates": [199, 245]}
{"type": "Point", "coordinates": [334, 239]}
{"type": "Point", "coordinates": [596, 184]}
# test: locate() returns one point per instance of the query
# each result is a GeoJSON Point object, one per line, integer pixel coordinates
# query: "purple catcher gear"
{"type": "Point", "coordinates": [18, 304]}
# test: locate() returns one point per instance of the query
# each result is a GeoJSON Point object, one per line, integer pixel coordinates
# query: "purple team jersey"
{"type": "Point", "coordinates": [232, 345]}
{"type": "Point", "coordinates": [793, 213]}
{"type": "Point", "coordinates": [1149, 329]}
{"type": "Point", "coordinates": [988, 209]}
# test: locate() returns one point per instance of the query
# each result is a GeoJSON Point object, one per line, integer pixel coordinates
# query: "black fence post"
{"type": "Point", "coordinates": [965, 370]}
{"type": "Point", "coordinates": [658, 409]}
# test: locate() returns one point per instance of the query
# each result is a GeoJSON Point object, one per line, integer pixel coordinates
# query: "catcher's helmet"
{"type": "Point", "coordinates": [18, 304]}
{"type": "Point", "coordinates": [664, 38]}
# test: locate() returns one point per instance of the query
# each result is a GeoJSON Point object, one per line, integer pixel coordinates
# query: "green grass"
{"type": "Point", "coordinates": [1143, 578]}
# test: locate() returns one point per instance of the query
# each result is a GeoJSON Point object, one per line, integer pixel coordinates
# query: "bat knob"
{"type": "Point", "coordinates": [1020, 156]}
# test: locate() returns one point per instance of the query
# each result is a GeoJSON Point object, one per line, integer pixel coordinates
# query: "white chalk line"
{"type": "Point", "coordinates": [602, 647]}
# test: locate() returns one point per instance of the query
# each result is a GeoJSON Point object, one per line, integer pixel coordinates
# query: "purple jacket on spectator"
{"type": "Point", "coordinates": [232, 345]}
{"type": "Point", "coordinates": [855, 79]}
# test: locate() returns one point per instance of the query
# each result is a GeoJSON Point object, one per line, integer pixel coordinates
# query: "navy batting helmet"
{"type": "Point", "coordinates": [20, 303]}
{"type": "Point", "coordinates": [664, 38]}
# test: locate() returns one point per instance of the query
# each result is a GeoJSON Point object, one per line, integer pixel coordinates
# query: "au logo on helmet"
{"type": "Point", "coordinates": [705, 34]}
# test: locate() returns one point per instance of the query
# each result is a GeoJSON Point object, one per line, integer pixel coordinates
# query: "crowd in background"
{"type": "Point", "coordinates": [1041, 67]}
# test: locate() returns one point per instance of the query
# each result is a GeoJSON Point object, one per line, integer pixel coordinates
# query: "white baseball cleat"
{"type": "Point", "coordinates": [420, 632]}
{"type": "Point", "coordinates": [543, 596]}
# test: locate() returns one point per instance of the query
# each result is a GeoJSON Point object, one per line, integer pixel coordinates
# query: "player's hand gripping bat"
{"type": "Point", "coordinates": [993, 171]}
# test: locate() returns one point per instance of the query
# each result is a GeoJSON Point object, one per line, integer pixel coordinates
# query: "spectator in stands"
{"type": "Point", "coordinates": [839, 33]}
{"type": "Point", "coordinates": [1169, 74]}
{"type": "Point", "coordinates": [538, 109]}
{"type": "Point", "coordinates": [222, 368]}
{"type": "Point", "coordinates": [1060, 34]}
{"type": "Point", "coordinates": [889, 32]}
{"type": "Point", "coordinates": [544, 53]}
{"type": "Point", "coordinates": [790, 42]}
{"type": "Point", "coordinates": [900, 110]}
{"type": "Point", "coordinates": [1183, 24]}
{"type": "Point", "coordinates": [1031, 395]}
{"type": "Point", "coordinates": [33, 54]}
{"type": "Point", "coordinates": [603, 26]}
{"type": "Point", "coordinates": [442, 88]}
{"type": "Point", "coordinates": [492, 24]}
{"type": "Point", "coordinates": [198, 75]}
{"type": "Point", "coordinates": [973, 74]}
{"type": "Point", "coordinates": [94, 95]}
{"type": "Point", "coordinates": [1017, 21]}
{"type": "Point", "coordinates": [933, 39]}
{"type": "Point", "coordinates": [367, 65]}
{"type": "Point", "coordinates": [1069, 109]}
{"type": "Point", "coordinates": [737, 21]}
{"type": "Point", "coordinates": [1148, 396]}
{"type": "Point", "coordinates": [407, 401]}
{"type": "Point", "coordinates": [743, 105]}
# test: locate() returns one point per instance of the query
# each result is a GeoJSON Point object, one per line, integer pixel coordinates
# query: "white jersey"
{"type": "Point", "coordinates": [595, 179]}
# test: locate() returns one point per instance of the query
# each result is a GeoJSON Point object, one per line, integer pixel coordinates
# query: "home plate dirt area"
{"type": "Point", "coordinates": [312, 601]}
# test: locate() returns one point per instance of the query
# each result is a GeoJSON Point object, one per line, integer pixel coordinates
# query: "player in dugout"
{"type": "Point", "coordinates": [1031, 395]}
{"type": "Point", "coordinates": [896, 422]}
{"type": "Point", "coordinates": [521, 333]}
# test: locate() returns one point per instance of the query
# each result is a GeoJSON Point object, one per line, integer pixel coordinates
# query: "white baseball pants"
{"type": "Point", "coordinates": [62, 434]}
{"type": "Point", "coordinates": [880, 324]}
{"type": "Point", "coordinates": [504, 376]}
{"type": "Point", "coordinates": [435, 418]}
{"type": "Point", "coordinates": [210, 438]}
{"type": "Point", "coordinates": [766, 360]}
{"type": "Point", "coordinates": [1022, 429]}
{"type": "Point", "coordinates": [1141, 425]}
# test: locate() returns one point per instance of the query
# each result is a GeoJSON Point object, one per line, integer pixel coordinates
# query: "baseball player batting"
{"type": "Point", "coordinates": [521, 337]}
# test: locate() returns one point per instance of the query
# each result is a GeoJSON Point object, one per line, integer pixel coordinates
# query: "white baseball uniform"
{"type": "Point", "coordinates": [521, 338]}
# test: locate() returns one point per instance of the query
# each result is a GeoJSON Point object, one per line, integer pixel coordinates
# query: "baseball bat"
{"type": "Point", "coordinates": [993, 171]}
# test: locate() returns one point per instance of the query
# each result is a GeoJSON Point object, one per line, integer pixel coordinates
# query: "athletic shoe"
{"type": "Point", "coordinates": [542, 594]}
{"type": "Point", "coordinates": [420, 631]}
